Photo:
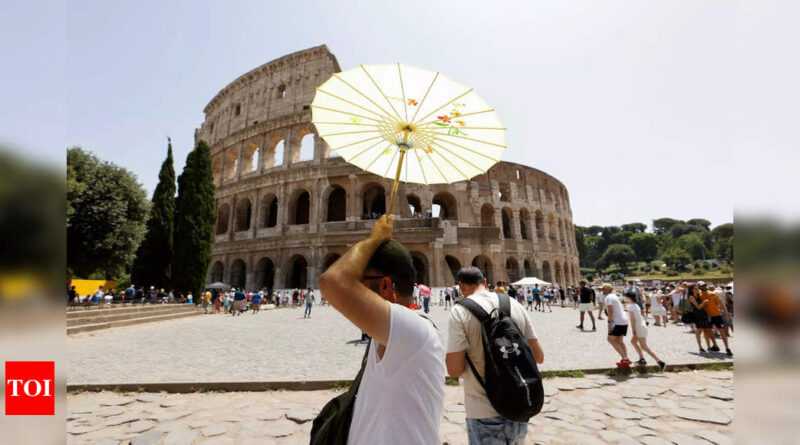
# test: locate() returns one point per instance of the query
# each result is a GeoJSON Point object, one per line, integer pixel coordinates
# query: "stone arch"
{"type": "Point", "coordinates": [223, 216]}
{"type": "Point", "coordinates": [300, 207]}
{"type": "Point", "coordinates": [244, 214]}
{"type": "Point", "coordinates": [547, 273]}
{"type": "Point", "coordinates": [563, 233]}
{"type": "Point", "coordinates": [414, 204]}
{"type": "Point", "coordinates": [216, 169]}
{"type": "Point", "coordinates": [238, 273]}
{"type": "Point", "coordinates": [507, 216]}
{"type": "Point", "coordinates": [336, 204]}
{"type": "Point", "coordinates": [559, 273]}
{"type": "Point", "coordinates": [539, 225]}
{"type": "Point", "coordinates": [551, 226]}
{"type": "Point", "coordinates": [373, 197]}
{"type": "Point", "coordinates": [230, 164]}
{"type": "Point", "coordinates": [487, 215]}
{"type": "Point", "coordinates": [268, 216]}
{"type": "Point", "coordinates": [421, 267]}
{"type": "Point", "coordinates": [483, 263]}
{"type": "Point", "coordinates": [250, 156]}
{"type": "Point", "coordinates": [447, 205]}
{"type": "Point", "coordinates": [265, 274]}
{"type": "Point", "coordinates": [504, 192]}
{"type": "Point", "coordinates": [512, 269]}
{"type": "Point", "coordinates": [297, 272]}
{"type": "Point", "coordinates": [217, 273]}
{"type": "Point", "coordinates": [273, 155]}
{"type": "Point", "coordinates": [453, 265]}
{"type": "Point", "coordinates": [329, 260]}
{"type": "Point", "coordinates": [530, 269]}
{"type": "Point", "coordinates": [524, 218]}
{"type": "Point", "coordinates": [305, 149]}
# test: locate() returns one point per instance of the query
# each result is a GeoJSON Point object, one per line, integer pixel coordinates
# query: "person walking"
{"type": "Point", "coordinates": [617, 325]}
{"type": "Point", "coordinates": [639, 334]}
{"type": "Point", "coordinates": [309, 299]}
{"type": "Point", "coordinates": [447, 292]}
{"type": "Point", "coordinates": [238, 302]}
{"type": "Point", "coordinates": [206, 301]}
{"type": "Point", "coordinates": [426, 301]}
{"type": "Point", "coordinates": [600, 298]}
{"type": "Point", "coordinates": [464, 341]}
{"type": "Point", "coordinates": [217, 302]}
{"type": "Point", "coordinates": [699, 318]}
{"type": "Point", "coordinates": [529, 297]}
{"type": "Point", "coordinates": [255, 302]}
{"type": "Point", "coordinates": [714, 308]}
{"type": "Point", "coordinates": [586, 298]}
{"type": "Point", "coordinates": [401, 396]}
{"type": "Point", "coordinates": [657, 300]}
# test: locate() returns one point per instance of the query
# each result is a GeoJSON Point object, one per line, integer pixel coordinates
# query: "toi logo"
{"type": "Point", "coordinates": [30, 388]}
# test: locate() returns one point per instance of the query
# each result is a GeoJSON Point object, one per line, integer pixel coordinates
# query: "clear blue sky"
{"type": "Point", "coordinates": [641, 108]}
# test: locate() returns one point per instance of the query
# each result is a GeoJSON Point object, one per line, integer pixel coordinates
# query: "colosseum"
{"type": "Point", "coordinates": [287, 207]}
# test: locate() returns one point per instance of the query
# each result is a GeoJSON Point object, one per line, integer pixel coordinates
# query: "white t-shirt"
{"type": "Point", "coordinates": [676, 297]}
{"type": "Point", "coordinates": [401, 396]}
{"type": "Point", "coordinates": [655, 299]}
{"type": "Point", "coordinates": [600, 296]}
{"type": "Point", "coordinates": [637, 315]}
{"type": "Point", "coordinates": [464, 332]}
{"type": "Point", "coordinates": [619, 314]}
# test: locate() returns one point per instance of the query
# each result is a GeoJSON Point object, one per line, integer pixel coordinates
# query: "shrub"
{"type": "Point", "coordinates": [698, 272]}
{"type": "Point", "coordinates": [656, 267]}
{"type": "Point", "coordinates": [725, 269]}
{"type": "Point", "coordinates": [590, 278]}
{"type": "Point", "coordinates": [706, 265]}
{"type": "Point", "coordinates": [672, 273]}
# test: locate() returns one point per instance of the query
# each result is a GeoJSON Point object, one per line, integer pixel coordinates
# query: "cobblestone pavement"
{"type": "Point", "coordinates": [280, 345]}
{"type": "Point", "coordinates": [673, 408]}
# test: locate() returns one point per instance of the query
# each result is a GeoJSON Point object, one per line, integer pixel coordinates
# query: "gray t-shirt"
{"type": "Point", "coordinates": [309, 298]}
{"type": "Point", "coordinates": [464, 333]}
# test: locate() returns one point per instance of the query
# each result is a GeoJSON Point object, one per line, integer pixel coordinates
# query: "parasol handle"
{"type": "Point", "coordinates": [403, 147]}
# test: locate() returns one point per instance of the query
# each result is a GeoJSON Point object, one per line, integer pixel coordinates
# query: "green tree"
{"type": "Point", "coordinates": [74, 189]}
{"type": "Point", "coordinates": [645, 245]}
{"type": "Point", "coordinates": [621, 237]}
{"type": "Point", "coordinates": [634, 227]}
{"type": "Point", "coordinates": [194, 221]}
{"type": "Point", "coordinates": [154, 256]}
{"type": "Point", "coordinates": [681, 229]}
{"type": "Point", "coordinates": [722, 231]}
{"type": "Point", "coordinates": [676, 257]}
{"type": "Point", "coordinates": [694, 245]}
{"type": "Point", "coordinates": [704, 223]}
{"type": "Point", "coordinates": [619, 254]}
{"type": "Point", "coordinates": [593, 231]}
{"type": "Point", "coordinates": [722, 241]}
{"type": "Point", "coordinates": [107, 223]}
{"type": "Point", "coordinates": [582, 246]}
{"type": "Point", "coordinates": [662, 225]}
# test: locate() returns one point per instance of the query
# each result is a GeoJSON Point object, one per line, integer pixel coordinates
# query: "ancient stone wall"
{"type": "Point", "coordinates": [282, 219]}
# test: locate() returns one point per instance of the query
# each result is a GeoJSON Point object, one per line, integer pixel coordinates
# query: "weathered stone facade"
{"type": "Point", "coordinates": [282, 219]}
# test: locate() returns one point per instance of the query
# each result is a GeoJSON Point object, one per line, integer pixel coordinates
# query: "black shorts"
{"type": "Point", "coordinates": [447, 298]}
{"type": "Point", "coordinates": [701, 320]}
{"type": "Point", "coordinates": [619, 330]}
{"type": "Point", "coordinates": [718, 321]}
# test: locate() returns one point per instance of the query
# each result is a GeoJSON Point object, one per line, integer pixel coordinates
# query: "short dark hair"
{"type": "Point", "coordinates": [471, 275]}
{"type": "Point", "coordinates": [394, 260]}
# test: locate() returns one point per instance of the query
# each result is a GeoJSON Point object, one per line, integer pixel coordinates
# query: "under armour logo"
{"type": "Point", "coordinates": [507, 351]}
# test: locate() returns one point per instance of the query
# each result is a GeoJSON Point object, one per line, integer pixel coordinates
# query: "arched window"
{"type": "Point", "coordinates": [337, 205]}
{"type": "Point", "coordinates": [374, 198]}
{"type": "Point", "coordinates": [421, 267]}
{"type": "Point", "coordinates": [524, 217]}
{"type": "Point", "coordinates": [507, 229]}
{"type": "Point", "coordinates": [265, 274]}
{"type": "Point", "coordinates": [306, 148]}
{"type": "Point", "coordinates": [483, 263]}
{"type": "Point", "coordinates": [238, 274]}
{"type": "Point", "coordinates": [414, 205]}
{"type": "Point", "coordinates": [530, 269]}
{"type": "Point", "coordinates": [223, 215]}
{"type": "Point", "coordinates": [297, 273]}
{"type": "Point", "coordinates": [217, 272]}
{"type": "Point", "coordinates": [454, 265]}
{"type": "Point", "coordinates": [539, 225]}
{"type": "Point", "coordinates": [505, 193]}
{"type": "Point", "coordinates": [512, 269]}
{"type": "Point", "coordinates": [281, 91]}
{"type": "Point", "coordinates": [243, 214]}
{"type": "Point", "coordinates": [302, 206]}
{"type": "Point", "coordinates": [447, 206]}
{"type": "Point", "coordinates": [269, 211]}
{"type": "Point", "coordinates": [547, 274]}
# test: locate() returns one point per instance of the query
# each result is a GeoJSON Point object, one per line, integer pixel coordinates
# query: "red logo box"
{"type": "Point", "coordinates": [30, 388]}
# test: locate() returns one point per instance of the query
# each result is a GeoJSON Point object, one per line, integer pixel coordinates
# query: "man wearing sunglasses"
{"type": "Point", "coordinates": [401, 396]}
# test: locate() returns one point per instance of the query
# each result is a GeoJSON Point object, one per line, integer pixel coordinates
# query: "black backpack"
{"type": "Point", "coordinates": [513, 382]}
{"type": "Point", "coordinates": [332, 425]}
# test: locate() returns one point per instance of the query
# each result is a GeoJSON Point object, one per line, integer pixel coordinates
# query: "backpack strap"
{"type": "Point", "coordinates": [475, 309]}
{"type": "Point", "coordinates": [504, 304]}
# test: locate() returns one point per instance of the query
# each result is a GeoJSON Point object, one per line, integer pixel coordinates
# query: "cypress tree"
{"type": "Point", "coordinates": [194, 222]}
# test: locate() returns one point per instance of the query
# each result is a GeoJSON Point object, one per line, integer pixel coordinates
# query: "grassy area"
{"type": "Point", "coordinates": [689, 275]}
{"type": "Point", "coordinates": [571, 374]}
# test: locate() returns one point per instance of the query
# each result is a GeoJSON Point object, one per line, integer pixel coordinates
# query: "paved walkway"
{"type": "Point", "coordinates": [673, 408]}
{"type": "Point", "coordinates": [280, 345]}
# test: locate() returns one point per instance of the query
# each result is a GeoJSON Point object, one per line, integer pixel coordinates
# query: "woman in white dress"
{"type": "Point", "coordinates": [657, 308]}
{"type": "Point", "coordinates": [639, 338]}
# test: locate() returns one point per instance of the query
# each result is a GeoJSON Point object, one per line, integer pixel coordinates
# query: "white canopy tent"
{"type": "Point", "coordinates": [530, 281]}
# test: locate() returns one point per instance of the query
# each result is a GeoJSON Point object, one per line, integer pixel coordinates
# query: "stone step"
{"type": "Point", "coordinates": [131, 321]}
{"type": "Point", "coordinates": [80, 312]}
{"type": "Point", "coordinates": [109, 316]}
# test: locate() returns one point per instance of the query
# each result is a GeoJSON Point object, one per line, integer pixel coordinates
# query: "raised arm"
{"type": "Point", "coordinates": [343, 289]}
